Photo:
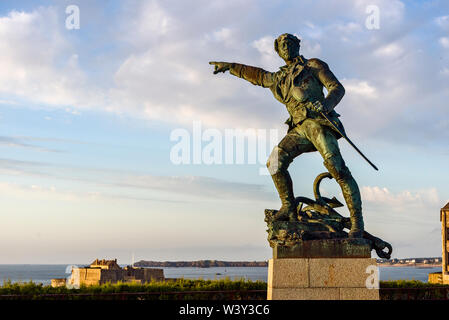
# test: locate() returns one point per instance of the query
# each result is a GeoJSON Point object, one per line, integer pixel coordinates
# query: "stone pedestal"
{"type": "Point", "coordinates": [435, 278]}
{"type": "Point", "coordinates": [308, 273]}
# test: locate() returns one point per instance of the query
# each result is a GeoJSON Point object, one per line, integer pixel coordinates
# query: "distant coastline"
{"type": "Point", "coordinates": [219, 263]}
{"type": "Point", "coordinates": [415, 265]}
{"type": "Point", "coordinates": [424, 263]}
{"type": "Point", "coordinates": [200, 264]}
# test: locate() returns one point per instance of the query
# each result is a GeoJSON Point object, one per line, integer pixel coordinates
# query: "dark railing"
{"type": "Point", "coordinates": [430, 293]}
{"type": "Point", "coordinates": [169, 295]}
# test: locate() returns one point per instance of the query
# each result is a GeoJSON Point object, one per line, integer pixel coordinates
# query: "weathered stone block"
{"type": "Point", "coordinates": [288, 273]}
{"type": "Point", "coordinates": [303, 294]}
{"type": "Point", "coordinates": [445, 278]}
{"type": "Point", "coordinates": [339, 273]}
{"type": "Point", "coordinates": [435, 277]}
{"type": "Point", "coordinates": [321, 279]}
{"type": "Point", "coordinates": [359, 294]}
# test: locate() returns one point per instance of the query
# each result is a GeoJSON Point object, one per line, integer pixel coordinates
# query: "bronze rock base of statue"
{"type": "Point", "coordinates": [319, 231]}
{"type": "Point", "coordinates": [324, 248]}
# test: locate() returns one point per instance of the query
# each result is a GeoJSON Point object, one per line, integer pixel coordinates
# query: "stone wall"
{"type": "Point", "coordinates": [59, 282]}
{"type": "Point", "coordinates": [96, 276]}
{"type": "Point", "coordinates": [87, 276]}
{"type": "Point", "coordinates": [435, 277]}
{"type": "Point", "coordinates": [153, 274]}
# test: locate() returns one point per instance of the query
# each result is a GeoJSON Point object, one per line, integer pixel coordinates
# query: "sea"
{"type": "Point", "coordinates": [43, 273]}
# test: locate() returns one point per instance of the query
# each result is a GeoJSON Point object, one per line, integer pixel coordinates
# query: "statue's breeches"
{"type": "Point", "coordinates": [312, 136]}
{"type": "Point", "coordinates": [308, 137]}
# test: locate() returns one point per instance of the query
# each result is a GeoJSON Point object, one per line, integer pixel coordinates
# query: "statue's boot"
{"type": "Point", "coordinates": [284, 186]}
{"type": "Point", "coordinates": [351, 193]}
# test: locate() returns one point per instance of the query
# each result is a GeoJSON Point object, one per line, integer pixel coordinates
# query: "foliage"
{"type": "Point", "coordinates": [409, 284]}
{"type": "Point", "coordinates": [413, 290]}
{"type": "Point", "coordinates": [33, 290]}
{"type": "Point", "coordinates": [173, 289]}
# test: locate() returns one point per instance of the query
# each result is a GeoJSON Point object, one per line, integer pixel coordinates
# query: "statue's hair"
{"type": "Point", "coordinates": [285, 36]}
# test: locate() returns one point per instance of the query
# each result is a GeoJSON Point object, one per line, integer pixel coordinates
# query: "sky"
{"type": "Point", "coordinates": [90, 119]}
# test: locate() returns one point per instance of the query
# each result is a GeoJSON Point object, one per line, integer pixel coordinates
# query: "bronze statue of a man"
{"type": "Point", "coordinates": [299, 85]}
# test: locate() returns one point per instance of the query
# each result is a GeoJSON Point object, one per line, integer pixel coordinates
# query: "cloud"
{"type": "Point", "coordinates": [407, 219]}
{"type": "Point", "coordinates": [199, 186]}
{"type": "Point", "coordinates": [31, 192]}
{"type": "Point", "coordinates": [150, 187]}
{"type": "Point", "coordinates": [361, 88]}
{"type": "Point", "coordinates": [36, 60]}
{"type": "Point", "coordinates": [52, 193]}
{"type": "Point", "coordinates": [444, 41]}
{"type": "Point", "coordinates": [445, 71]}
{"type": "Point", "coordinates": [391, 50]}
{"type": "Point", "coordinates": [10, 102]}
{"type": "Point", "coordinates": [224, 36]}
{"type": "Point", "coordinates": [378, 66]}
{"type": "Point", "coordinates": [151, 61]}
{"type": "Point", "coordinates": [265, 47]}
{"type": "Point", "coordinates": [154, 20]}
{"type": "Point", "coordinates": [160, 68]}
{"type": "Point", "coordinates": [16, 142]}
{"type": "Point", "coordinates": [443, 22]}
{"type": "Point", "coordinates": [400, 201]}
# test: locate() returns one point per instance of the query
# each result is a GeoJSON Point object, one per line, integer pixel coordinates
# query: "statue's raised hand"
{"type": "Point", "coordinates": [221, 66]}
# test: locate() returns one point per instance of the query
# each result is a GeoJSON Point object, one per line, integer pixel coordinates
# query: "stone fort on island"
{"type": "Point", "coordinates": [108, 271]}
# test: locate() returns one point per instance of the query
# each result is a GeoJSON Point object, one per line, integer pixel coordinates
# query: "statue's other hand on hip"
{"type": "Point", "coordinates": [319, 107]}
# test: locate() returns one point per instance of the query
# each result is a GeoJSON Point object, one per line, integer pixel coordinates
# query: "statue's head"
{"type": "Point", "coordinates": [287, 46]}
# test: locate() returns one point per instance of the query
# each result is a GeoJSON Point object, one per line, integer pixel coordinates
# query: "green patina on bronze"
{"type": "Point", "coordinates": [299, 86]}
{"type": "Point", "coordinates": [318, 231]}
{"type": "Point", "coordinates": [325, 248]}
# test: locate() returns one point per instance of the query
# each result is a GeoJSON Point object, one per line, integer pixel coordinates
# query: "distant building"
{"type": "Point", "coordinates": [443, 276]}
{"type": "Point", "coordinates": [105, 264]}
{"type": "Point", "coordinates": [108, 271]}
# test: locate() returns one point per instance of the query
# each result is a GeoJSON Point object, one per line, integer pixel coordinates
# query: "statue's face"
{"type": "Point", "coordinates": [288, 48]}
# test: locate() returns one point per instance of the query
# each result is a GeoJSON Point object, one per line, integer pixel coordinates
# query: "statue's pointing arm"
{"type": "Point", "coordinates": [335, 90]}
{"type": "Point", "coordinates": [256, 76]}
